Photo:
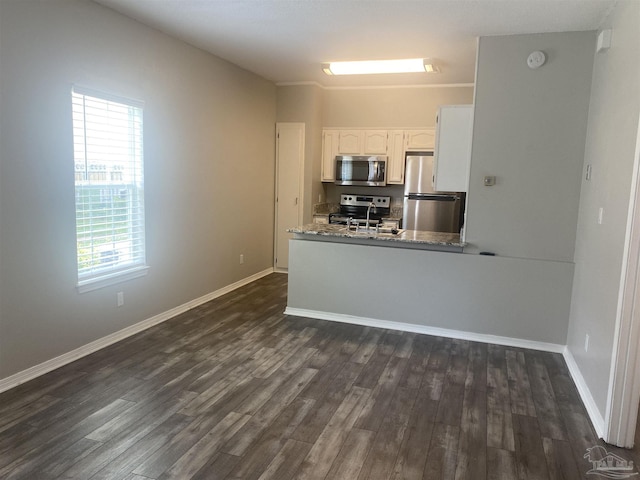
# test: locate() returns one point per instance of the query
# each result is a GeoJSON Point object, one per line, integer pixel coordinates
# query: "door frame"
{"type": "Point", "coordinates": [624, 380]}
{"type": "Point", "coordinates": [300, 198]}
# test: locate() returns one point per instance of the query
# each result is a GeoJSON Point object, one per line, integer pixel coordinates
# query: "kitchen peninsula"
{"type": "Point", "coordinates": [411, 239]}
{"type": "Point", "coordinates": [426, 284]}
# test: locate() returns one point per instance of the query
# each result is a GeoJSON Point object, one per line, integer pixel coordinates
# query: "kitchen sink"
{"type": "Point", "coordinates": [383, 232]}
{"type": "Point", "coordinates": [388, 234]}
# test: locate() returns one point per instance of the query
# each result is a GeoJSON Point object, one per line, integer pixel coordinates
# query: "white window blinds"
{"type": "Point", "coordinates": [109, 185]}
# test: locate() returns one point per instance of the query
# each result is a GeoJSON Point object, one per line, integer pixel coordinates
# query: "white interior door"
{"type": "Point", "coordinates": [621, 414]}
{"type": "Point", "coordinates": [289, 169]}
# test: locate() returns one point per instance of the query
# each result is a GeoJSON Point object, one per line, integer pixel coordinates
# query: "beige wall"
{"type": "Point", "coordinates": [400, 107]}
{"type": "Point", "coordinates": [209, 136]}
{"type": "Point", "coordinates": [529, 131]}
{"type": "Point", "coordinates": [610, 147]}
{"type": "Point", "coordinates": [303, 103]}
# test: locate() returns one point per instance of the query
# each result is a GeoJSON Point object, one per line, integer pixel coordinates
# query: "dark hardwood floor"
{"type": "Point", "coordinates": [234, 389]}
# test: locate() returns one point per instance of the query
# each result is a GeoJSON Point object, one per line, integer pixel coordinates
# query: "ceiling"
{"type": "Point", "coordinates": [286, 41]}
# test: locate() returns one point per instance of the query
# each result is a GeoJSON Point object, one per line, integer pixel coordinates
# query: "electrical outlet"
{"type": "Point", "coordinates": [586, 342]}
{"type": "Point", "coordinates": [120, 297]}
{"type": "Point", "coordinates": [241, 258]}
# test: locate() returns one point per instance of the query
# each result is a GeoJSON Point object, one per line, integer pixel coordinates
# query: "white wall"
{"type": "Point", "coordinates": [529, 132]}
{"type": "Point", "coordinates": [209, 136]}
{"type": "Point", "coordinates": [610, 146]}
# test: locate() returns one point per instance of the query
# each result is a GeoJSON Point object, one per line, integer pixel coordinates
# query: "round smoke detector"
{"type": "Point", "coordinates": [536, 59]}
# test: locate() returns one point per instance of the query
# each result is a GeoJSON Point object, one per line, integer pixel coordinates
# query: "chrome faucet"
{"type": "Point", "coordinates": [371, 204]}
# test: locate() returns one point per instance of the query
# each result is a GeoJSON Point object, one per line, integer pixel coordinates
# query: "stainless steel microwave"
{"type": "Point", "coordinates": [363, 170]}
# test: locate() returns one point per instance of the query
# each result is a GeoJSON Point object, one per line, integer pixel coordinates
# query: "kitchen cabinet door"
{"type": "Point", "coordinates": [329, 151]}
{"type": "Point", "coordinates": [350, 142]}
{"type": "Point", "coordinates": [395, 165]}
{"type": "Point", "coordinates": [420, 139]}
{"type": "Point", "coordinates": [375, 142]}
{"type": "Point", "coordinates": [454, 124]}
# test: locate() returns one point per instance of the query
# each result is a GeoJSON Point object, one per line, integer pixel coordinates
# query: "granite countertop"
{"type": "Point", "coordinates": [414, 237]}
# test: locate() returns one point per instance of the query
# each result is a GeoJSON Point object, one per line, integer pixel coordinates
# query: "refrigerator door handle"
{"type": "Point", "coordinates": [428, 196]}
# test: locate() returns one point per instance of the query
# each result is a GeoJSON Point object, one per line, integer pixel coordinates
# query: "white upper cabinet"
{"type": "Point", "coordinates": [350, 142]}
{"type": "Point", "coordinates": [362, 142]}
{"type": "Point", "coordinates": [454, 124]}
{"type": "Point", "coordinates": [420, 139]}
{"type": "Point", "coordinates": [375, 142]}
{"type": "Point", "coordinates": [329, 151]}
{"type": "Point", "coordinates": [392, 143]}
{"type": "Point", "coordinates": [395, 163]}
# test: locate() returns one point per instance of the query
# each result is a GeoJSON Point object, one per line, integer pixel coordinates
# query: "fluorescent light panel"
{"type": "Point", "coordinates": [410, 65]}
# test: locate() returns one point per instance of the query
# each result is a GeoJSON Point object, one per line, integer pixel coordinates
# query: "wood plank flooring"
{"type": "Point", "coordinates": [234, 389]}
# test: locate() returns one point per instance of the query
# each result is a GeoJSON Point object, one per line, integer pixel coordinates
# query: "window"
{"type": "Point", "coordinates": [109, 188]}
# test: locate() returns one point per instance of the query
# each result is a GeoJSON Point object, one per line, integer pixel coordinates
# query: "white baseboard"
{"type": "Point", "coordinates": [585, 394]}
{"type": "Point", "coordinates": [57, 362]}
{"type": "Point", "coordinates": [441, 332]}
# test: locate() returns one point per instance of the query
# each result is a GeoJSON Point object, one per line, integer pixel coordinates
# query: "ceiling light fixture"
{"type": "Point", "coordinates": [411, 65]}
{"type": "Point", "coordinates": [430, 67]}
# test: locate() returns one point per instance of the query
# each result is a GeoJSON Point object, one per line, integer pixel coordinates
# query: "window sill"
{"type": "Point", "coordinates": [114, 278]}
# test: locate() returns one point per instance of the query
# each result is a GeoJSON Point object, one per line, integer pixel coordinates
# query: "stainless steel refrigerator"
{"type": "Point", "coordinates": [424, 208]}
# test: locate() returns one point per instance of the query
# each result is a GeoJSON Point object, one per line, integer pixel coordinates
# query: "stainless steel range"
{"type": "Point", "coordinates": [356, 208]}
